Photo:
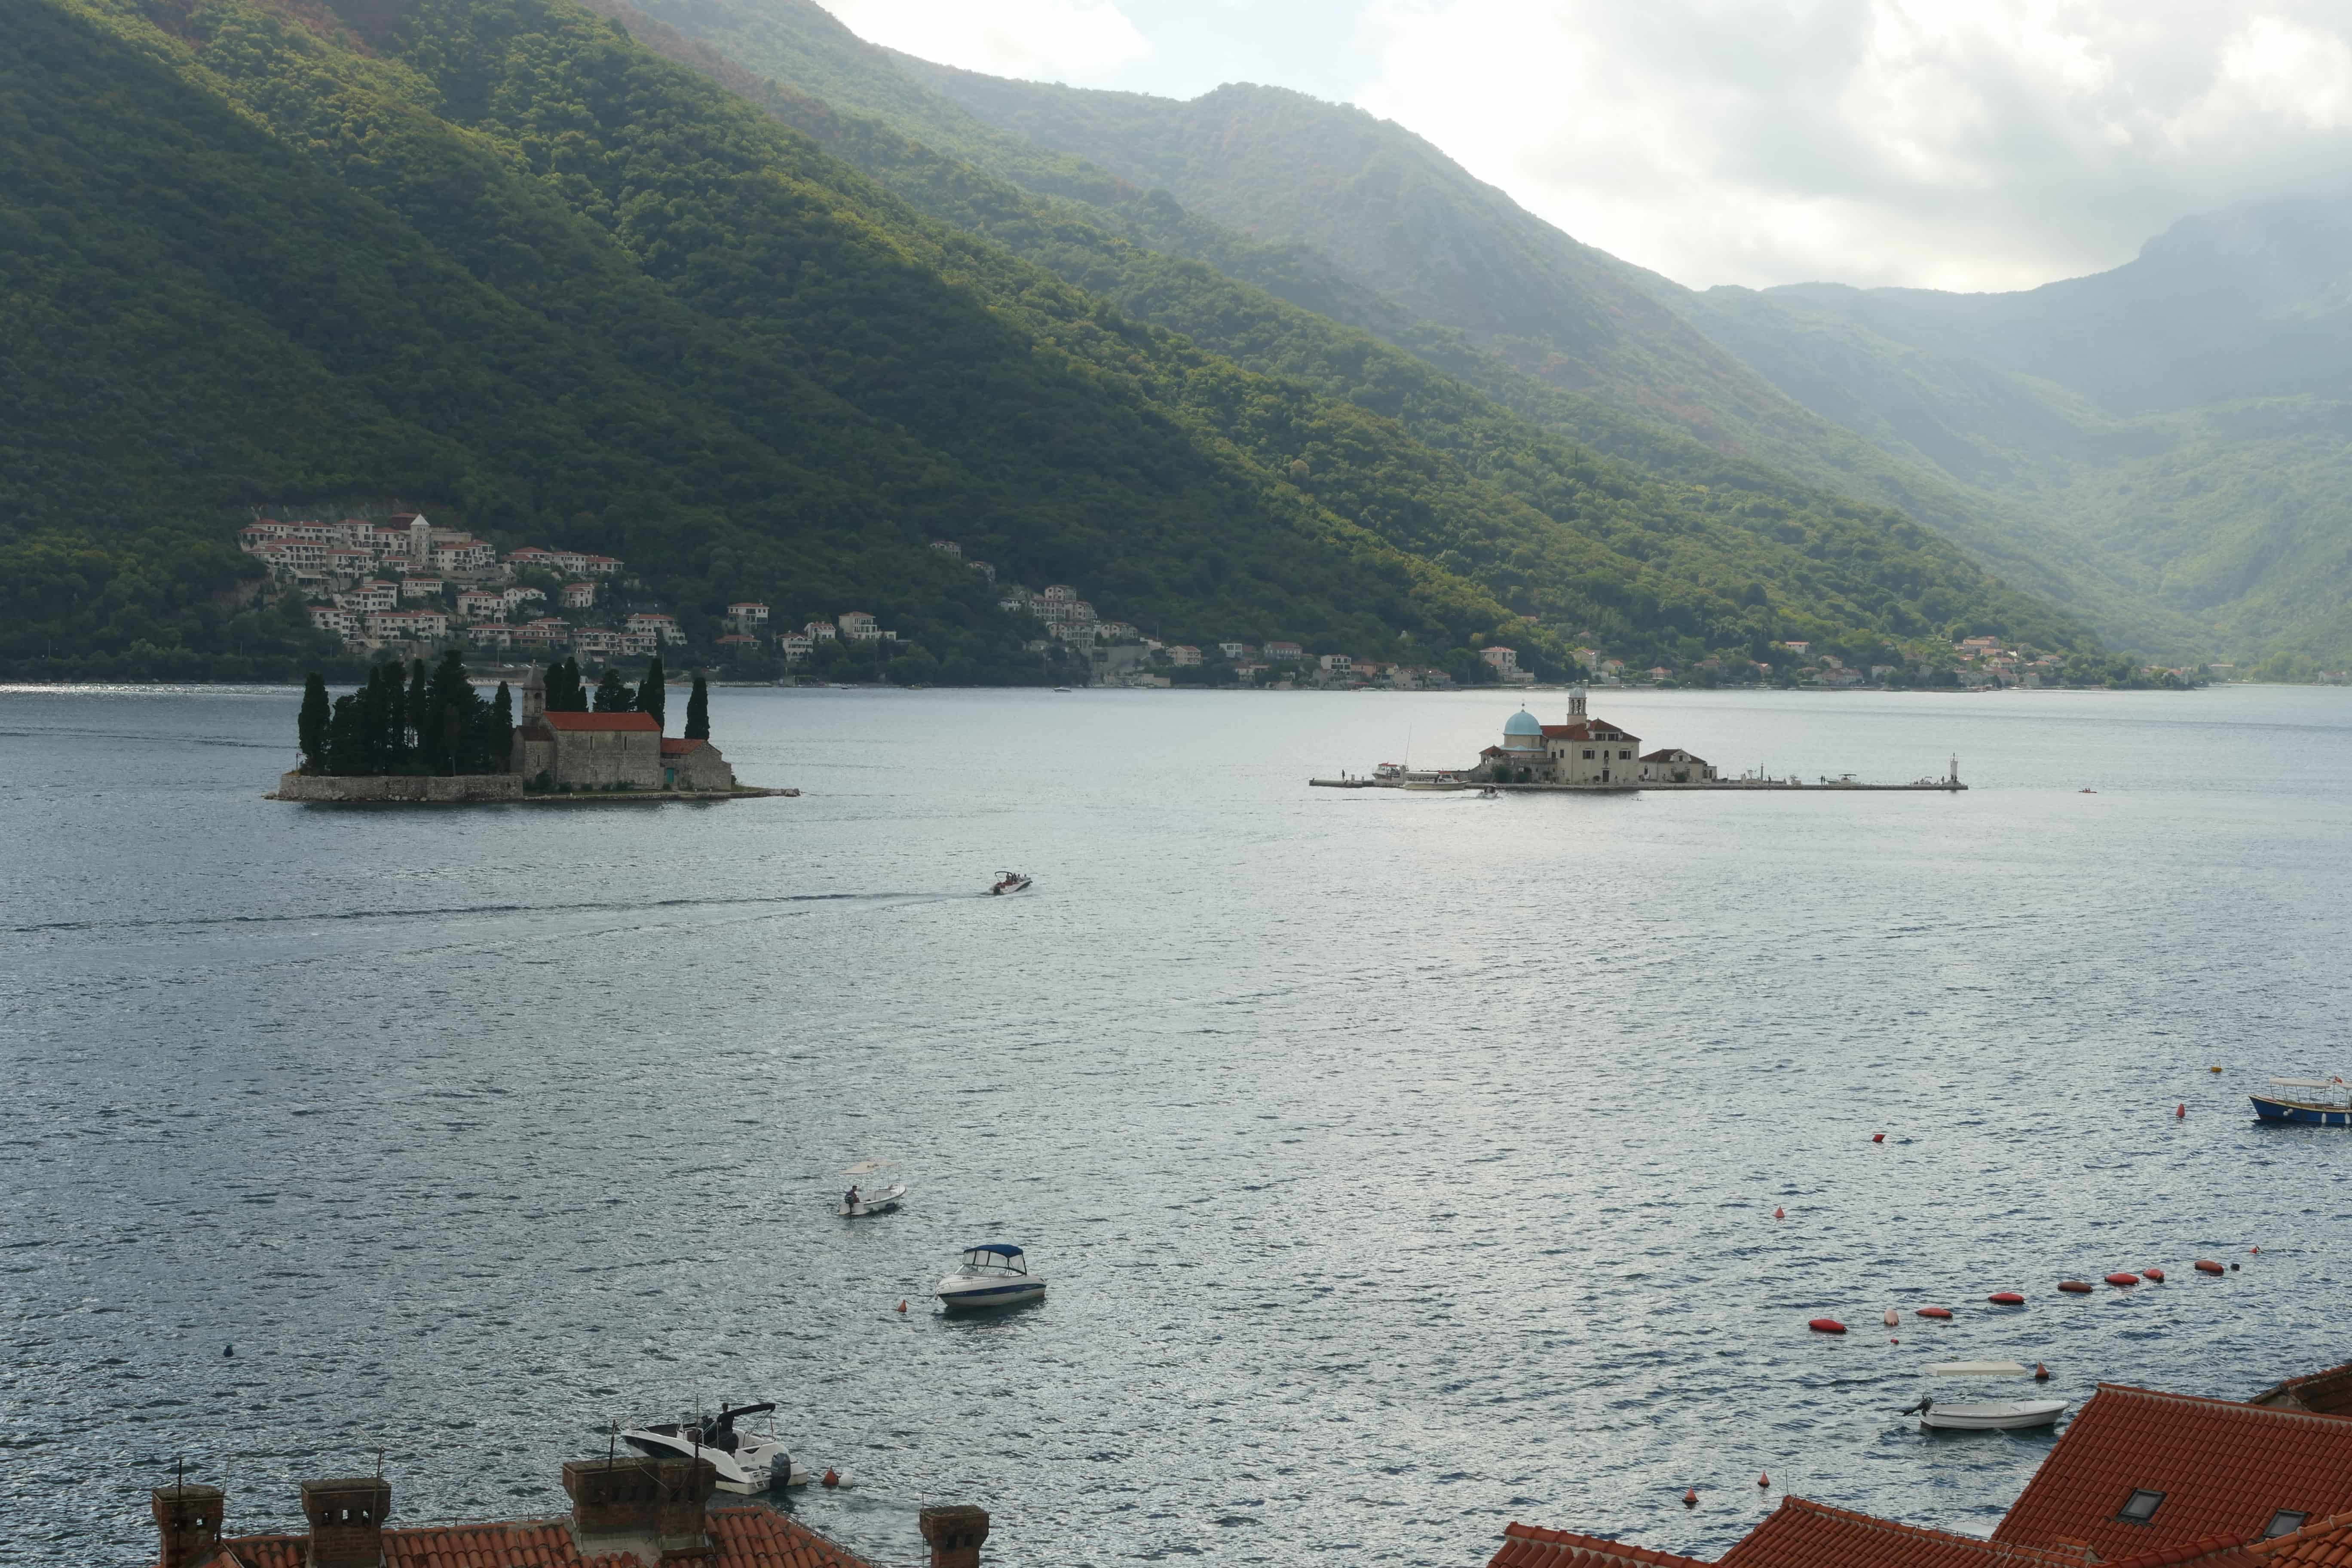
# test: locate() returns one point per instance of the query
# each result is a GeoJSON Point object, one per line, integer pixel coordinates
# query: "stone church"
{"type": "Point", "coordinates": [1584, 751]}
{"type": "Point", "coordinates": [608, 751]}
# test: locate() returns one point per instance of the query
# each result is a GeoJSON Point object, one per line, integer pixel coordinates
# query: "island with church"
{"type": "Point", "coordinates": [1588, 753]}
{"type": "Point", "coordinates": [417, 736]}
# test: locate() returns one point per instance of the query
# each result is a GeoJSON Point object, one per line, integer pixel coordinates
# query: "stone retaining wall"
{"type": "Point", "coordinates": [402, 787]}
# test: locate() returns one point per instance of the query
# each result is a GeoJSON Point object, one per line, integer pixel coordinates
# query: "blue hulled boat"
{"type": "Point", "coordinates": [2310, 1101]}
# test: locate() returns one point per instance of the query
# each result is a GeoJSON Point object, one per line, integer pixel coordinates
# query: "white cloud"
{"type": "Point", "coordinates": [1057, 40]}
{"type": "Point", "coordinates": [1953, 144]}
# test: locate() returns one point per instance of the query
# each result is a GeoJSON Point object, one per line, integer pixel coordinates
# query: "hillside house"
{"type": "Point", "coordinates": [654, 623]}
{"type": "Point", "coordinates": [821, 631]}
{"type": "Point", "coordinates": [858, 627]}
{"type": "Point", "coordinates": [481, 604]}
{"type": "Point", "coordinates": [795, 645]}
{"type": "Point", "coordinates": [408, 626]}
{"type": "Point", "coordinates": [579, 595]}
{"type": "Point", "coordinates": [1283, 653]}
{"type": "Point", "coordinates": [748, 616]}
{"type": "Point", "coordinates": [421, 587]}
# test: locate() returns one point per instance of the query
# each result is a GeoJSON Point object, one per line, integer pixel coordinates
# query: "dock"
{"type": "Point", "coordinates": [1941, 786]}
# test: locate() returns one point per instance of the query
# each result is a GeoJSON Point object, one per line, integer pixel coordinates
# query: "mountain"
{"type": "Point", "coordinates": [497, 257]}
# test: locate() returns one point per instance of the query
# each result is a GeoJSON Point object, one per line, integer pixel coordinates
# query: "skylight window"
{"type": "Point", "coordinates": [2285, 1522]}
{"type": "Point", "coordinates": [2141, 1507]}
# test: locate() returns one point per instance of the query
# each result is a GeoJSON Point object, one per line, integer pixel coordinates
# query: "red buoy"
{"type": "Point", "coordinates": [2254, 1250]}
{"type": "Point", "coordinates": [1779, 1213]}
{"type": "Point", "coordinates": [1690, 1497]}
{"type": "Point", "coordinates": [2154, 1274]}
{"type": "Point", "coordinates": [1765, 1479]}
{"type": "Point", "coordinates": [1939, 1311]}
{"type": "Point", "coordinates": [2120, 1280]}
{"type": "Point", "coordinates": [832, 1479]}
{"type": "Point", "coordinates": [2181, 1110]}
{"type": "Point", "coordinates": [2040, 1373]}
{"type": "Point", "coordinates": [2006, 1299]}
{"type": "Point", "coordinates": [1878, 1137]}
{"type": "Point", "coordinates": [2206, 1266]}
{"type": "Point", "coordinates": [2074, 1286]}
{"type": "Point", "coordinates": [902, 1306]}
{"type": "Point", "coordinates": [1826, 1326]}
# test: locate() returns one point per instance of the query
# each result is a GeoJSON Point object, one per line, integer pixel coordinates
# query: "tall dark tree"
{"type": "Point", "coordinates": [697, 711]}
{"type": "Point", "coordinates": [566, 691]}
{"type": "Point", "coordinates": [498, 732]}
{"type": "Point", "coordinates": [419, 709]}
{"type": "Point", "coordinates": [347, 749]}
{"type": "Point", "coordinates": [450, 722]}
{"type": "Point", "coordinates": [613, 693]}
{"type": "Point", "coordinates": [653, 692]}
{"type": "Point", "coordinates": [311, 726]}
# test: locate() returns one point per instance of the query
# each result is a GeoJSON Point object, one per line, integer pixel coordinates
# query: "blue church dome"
{"type": "Point", "coordinates": [1524, 724]}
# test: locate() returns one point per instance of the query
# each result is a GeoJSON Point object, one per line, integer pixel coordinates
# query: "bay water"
{"type": "Point", "coordinates": [1402, 1164]}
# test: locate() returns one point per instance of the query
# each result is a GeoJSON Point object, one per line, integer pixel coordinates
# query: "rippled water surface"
{"type": "Point", "coordinates": [1403, 1164]}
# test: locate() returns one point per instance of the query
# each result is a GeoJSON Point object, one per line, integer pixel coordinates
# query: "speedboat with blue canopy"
{"type": "Point", "coordinates": [2312, 1101]}
{"type": "Point", "coordinates": [993, 1275]}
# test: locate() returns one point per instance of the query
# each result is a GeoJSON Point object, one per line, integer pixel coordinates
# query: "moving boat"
{"type": "Point", "coordinates": [1988, 1416]}
{"type": "Point", "coordinates": [745, 1463]}
{"type": "Point", "coordinates": [1490, 793]}
{"type": "Point", "coordinates": [1009, 882]}
{"type": "Point", "coordinates": [884, 1201]}
{"type": "Point", "coordinates": [2317, 1103]}
{"type": "Point", "coordinates": [993, 1275]}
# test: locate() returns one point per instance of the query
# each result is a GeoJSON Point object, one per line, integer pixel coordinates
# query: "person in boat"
{"type": "Point", "coordinates": [853, 1198]}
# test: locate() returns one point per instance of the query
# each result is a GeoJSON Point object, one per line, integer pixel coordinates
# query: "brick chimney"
{"type": "Point", "coordinates": [955, 1531]}
{"type": "Point", "coordinates": [188, 1519]}
{"type": "Point", "coordinates": [346, 1518]}
{"type": "Point", "coordinates": [653, 1507]}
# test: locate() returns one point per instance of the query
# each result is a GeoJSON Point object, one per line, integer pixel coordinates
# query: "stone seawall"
{"type": "Point", "coordinates": [401, 788]}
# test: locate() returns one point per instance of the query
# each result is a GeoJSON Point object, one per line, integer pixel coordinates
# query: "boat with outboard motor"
{"type": "Point", "coordinates": [993, 1275]}
{"type": "Point", "coordinates": [745, 1462]}
{"type": "Point", "coordinates": [858, 1203]}
{"type": "Point", "coordinates": [1986, 1415]}
{"type": "Point", "coordinates": [2330, 1105]}
{"type": "Point", "coordinates": [1009, 882]}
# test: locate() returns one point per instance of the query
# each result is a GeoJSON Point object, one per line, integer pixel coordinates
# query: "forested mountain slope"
{"type": "Point", "coordinates": [497, 257]}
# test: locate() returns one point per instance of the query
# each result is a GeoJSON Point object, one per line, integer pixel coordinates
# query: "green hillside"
{"type": "Point", "coordinates": [501, 260]}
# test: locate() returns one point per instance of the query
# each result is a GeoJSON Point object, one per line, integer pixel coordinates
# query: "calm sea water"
{"type": "Point", "coordinates": [1403, 1164]}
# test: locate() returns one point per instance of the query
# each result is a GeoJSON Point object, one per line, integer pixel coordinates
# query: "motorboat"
{"type": "Point", "coordinates": [993, 1275]}
{"type": "Point", "coordinates": [856, 1203]}
{"type": "Point", "coordinates": [1986, 1415]}
{"type": "Point", "coordinates": [1490, 793]}
{"type": "Point", "coordinates": [1009, 882]}
{"type": "Point", "coordinates": [745, 1462]}
{"type": "Point", "coordinates": [2311, 1101]}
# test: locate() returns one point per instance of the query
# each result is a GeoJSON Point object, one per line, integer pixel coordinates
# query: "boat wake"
{"type": "Point", "coordinates": [625, 906]}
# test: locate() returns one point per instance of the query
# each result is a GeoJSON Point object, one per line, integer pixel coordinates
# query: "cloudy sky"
{"type": "Point", "coordinates": [1945, 143]}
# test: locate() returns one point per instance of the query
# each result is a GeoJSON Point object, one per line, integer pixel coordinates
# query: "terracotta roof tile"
{"type": "Point", "coordinates": [674, 747]}
{"type": "Point", "coordinates": [2322, 1544]}
{"type": "Point", "coordinates": [1802, 1533]}
{"type": "Point", "coordinates": [1532, 1546]}
{"type": "Point", "coordinates": [2224, 1470]}
{"type": "Point", "coordinates": [601, 721]}
{"type": "Point", "coordinates": [744, 1537]}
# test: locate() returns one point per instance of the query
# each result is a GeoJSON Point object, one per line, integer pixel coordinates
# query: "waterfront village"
{"type": "Point", "coordinates": [2140, 1479]}
{"type": "Point", "coordinates": [403, 586]}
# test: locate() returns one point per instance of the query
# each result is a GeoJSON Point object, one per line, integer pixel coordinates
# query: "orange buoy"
{"type": "Point", "coordinates": [1893, 1316]}
{"type": "Point", "coordinates": [1938, 1312]}
{"type": "Point", "coordinates": [2074, 1286]}
{"type": "Point", "coordinates": [2180, 1110]}
{"type": "Point", "coordinates": [1690, 1497]}
{"type": "Point", "coordinates": [2154, 1274]}
{"type": "Point", "coordinates": [1780, 1214]}
{"type": "Point", "coordinates": [1878, 1137]}
{"type": "Point", "coordinates": [2040, 1373]}
{"type": "Point", "coordinates": [2206, 1266]}
{"type": "Point", "coordinates": [2254, 1250]}
{"type": "Point", "coordinates": [2006, 1299]}
{"type": "Point", "coordinates": [2121, 1281]}
{"type": "Point", "coordinates": [832, 1479]}
{"type": "Point", "coordinates": [1826, 1326]}
{"type": "Point", "coordinates": [1765, 1479]}
{"type": "Point", "coordinates": [2212, 1070]}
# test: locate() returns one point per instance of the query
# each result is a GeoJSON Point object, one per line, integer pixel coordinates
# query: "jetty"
{"type": "Point", "coordinates": [1590, 755]}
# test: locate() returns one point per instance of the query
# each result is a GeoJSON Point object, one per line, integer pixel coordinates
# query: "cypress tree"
{"type": "Point", "coordinates": [451, 723]}
{"type": "Point", "coordinates": [565, 692]}
{"type": "Point", "coordinates": [613, 693]}
{"type": "Point", "coordinates": [697, 711]}
{"type": "Point", "coordinates": [653, 693]}
{"type": "Point", "coordinates": [311, 727]}
{"type": "Point", "coordinates": [498, 737]}
{"type": "Point", "coordinates": [388, 728]}
{"type": "Point", "coordinates": [420, 710]}
{"type": "Point", "coordinates": [347, 737]}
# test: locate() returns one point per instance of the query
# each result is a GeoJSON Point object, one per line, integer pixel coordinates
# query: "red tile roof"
{"type": "Point", "coordinates": [2327, 1393]}
{"type": "Point", "coordinates": [2224, 1470]}
{"type": "Point", "coordinates": [1532, 1546]}
{"type": "Point", "coordinates": [745, 1538]}
{"type": "Point", "coordinates": [1801, 1533]}
{"type": "Point", "coordinates": [674, 747]}
{"type": "Point", "coordinates": [1587, 730]}
{"type": "Point", "coordinates": [2322, 1544]}
{"type": "Point", "coordinates": [601, 721]}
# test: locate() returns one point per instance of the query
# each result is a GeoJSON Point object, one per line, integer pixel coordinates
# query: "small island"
{"type": "Point", "coordinates": [419, 737]}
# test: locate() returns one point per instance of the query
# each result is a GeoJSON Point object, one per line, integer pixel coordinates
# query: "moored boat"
{"type": "Point", "coordinates": [1991, 1415]}
{"type": "Point", "coordinates": [2311, 1102]}
{"type": "Point", "coordinates": [745, 1462]}
{"type": "Point", "coordinates": [993, 1275]}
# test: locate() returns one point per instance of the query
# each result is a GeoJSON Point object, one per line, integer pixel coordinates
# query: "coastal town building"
{"type": "Point", "coordinates": [857, 625]}
{"type": "Point", "coordinates": [1283, 653]}
{"type": "Point", "coordinates": [579, 595]}
{"type": "Point", "coordinates": [747, 617]}
{"type": "Point", "coordinates": [1585, 749]}
{"type": "Point", "coordinates": [606, 751]}
{"type": "Point", "coordinates": [627, 1511]}
{"type": "Point", "coordinates": [2143, 1478]}
{"type": "Point", "coordinates": [654, 623]}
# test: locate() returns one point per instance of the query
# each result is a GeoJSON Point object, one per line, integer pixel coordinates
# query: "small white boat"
{"type": "Point", "coordinates": [995, 1275]}
{"type": "Point", "coordinates": [1986, 1416]}
{"type": "Point", "coordinates": [1009, 882]}
{"type": "Point", "coordinates": [745, 1462]}
{"type": "Point", "coordinates": [858, 1203]}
